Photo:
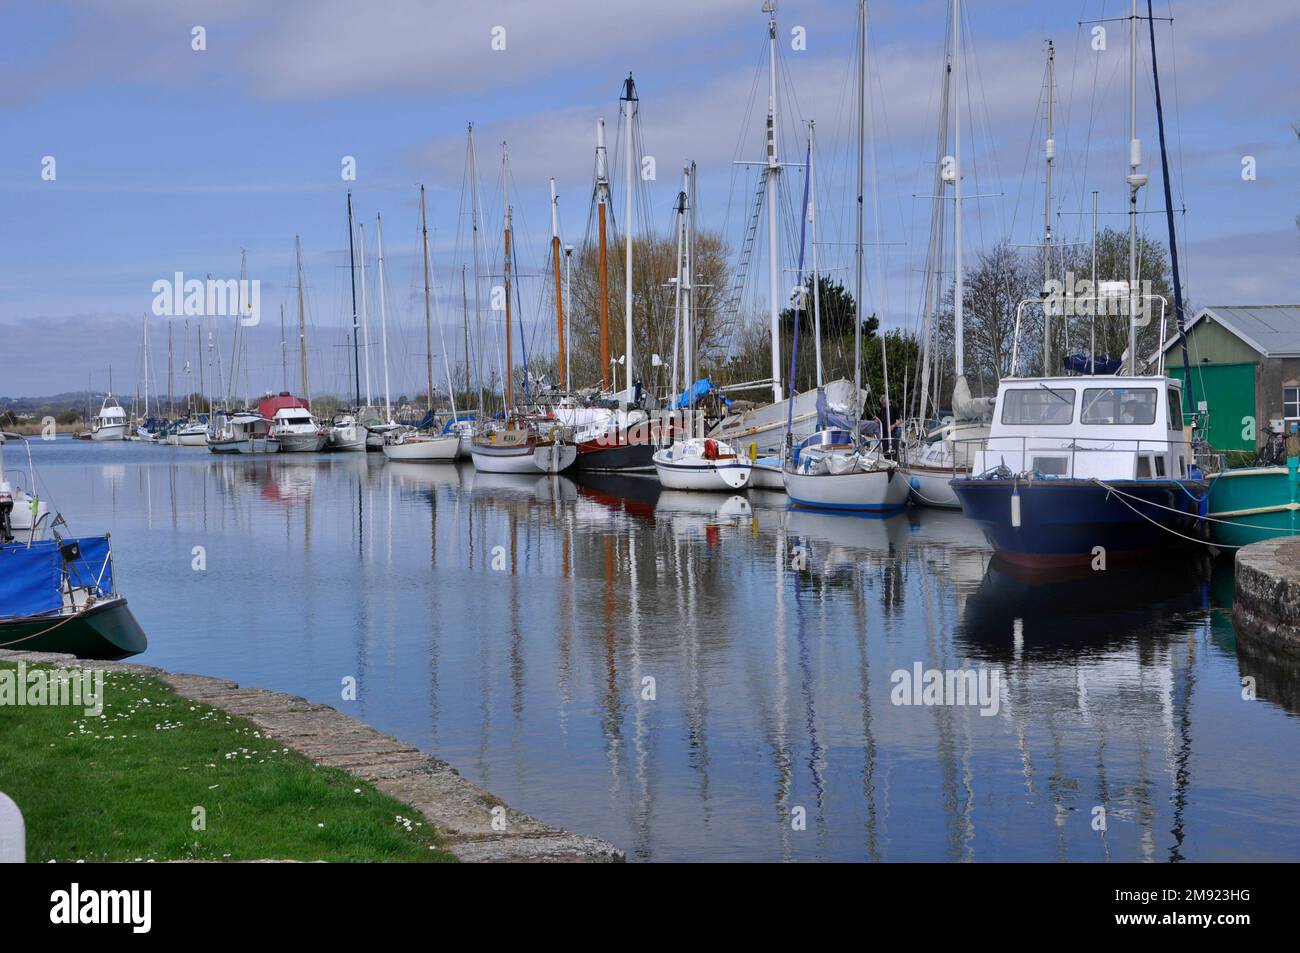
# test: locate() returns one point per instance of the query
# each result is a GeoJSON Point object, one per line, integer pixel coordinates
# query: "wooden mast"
{"type": "Point", "coordinates": [559, 288]}
{"type": "Point", "coordinates": [602, 196]}
{"type": "Point", "coordinates": [302, 328]}
{"type": "Point", "coordinates": [428, 328]}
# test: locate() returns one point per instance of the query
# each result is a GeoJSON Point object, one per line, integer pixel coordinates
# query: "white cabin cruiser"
{"type": "Point", "coordinates": [298, 431]}
{"type": "Point", "coordinates": [110, 423]}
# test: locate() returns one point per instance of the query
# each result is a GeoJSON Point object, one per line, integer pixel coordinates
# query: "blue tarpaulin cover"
{"type": "Point", "coordinates": [697, 391]}
{"type": "Point", "coordinates": [31, 576]}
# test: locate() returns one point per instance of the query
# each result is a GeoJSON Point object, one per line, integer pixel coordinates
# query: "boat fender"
{"type": "Point", "coordinates": [1015, 508]}
{"type": "Point", "coordinates": [753, 451]}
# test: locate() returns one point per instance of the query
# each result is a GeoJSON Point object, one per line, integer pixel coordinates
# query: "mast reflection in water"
{"type": "Point", "coordinates": [705, 677]}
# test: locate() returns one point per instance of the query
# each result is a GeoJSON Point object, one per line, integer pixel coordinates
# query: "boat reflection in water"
{"type": "Point", "coordinates": [683, 673]}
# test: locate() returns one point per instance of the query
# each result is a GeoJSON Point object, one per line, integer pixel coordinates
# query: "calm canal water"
{"type": "Point", "coordinates": [511, 624]}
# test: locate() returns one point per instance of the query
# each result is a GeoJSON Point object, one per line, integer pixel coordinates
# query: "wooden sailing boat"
{"type": "Point", "coordinates": [506, 446]}
{"type": "Point", "coordinates": [620, 436]}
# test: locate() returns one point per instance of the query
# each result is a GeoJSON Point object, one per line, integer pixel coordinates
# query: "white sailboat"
{"type": "Point", "coordinates": [765, 426]}
{"type": "Point", "coordinates": [411, 445]}
{"type": "Point", "coordinates": [932, 458]}
{"type": "Point", "coordinates": [346, 432]}
{"type": "Point", "coordinates": [836, 469]}
{"type": "Point", "coordinates": [694, 463]}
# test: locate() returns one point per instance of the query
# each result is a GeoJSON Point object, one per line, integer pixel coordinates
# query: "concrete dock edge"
{"type": "Point", "coordinates": [1266, 606]}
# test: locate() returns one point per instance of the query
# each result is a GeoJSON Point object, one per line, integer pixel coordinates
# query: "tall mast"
{"type": "Point", "coordinates": [816, 276]}
{"type": "Point", "coordinates": [365, 313]}
{"type": "Point", "coordinates": [171, 396]}
{"type": "Point", "coordinates": [688, 293]}
{"type": "Point", "coordinates": [629, 96]}
{"type": "Point", "coordinates": [857, 247]}
{"type": "Point", "coordinates": [602, 200]}
{"type": "Point", "coordinates": [428, 321]}
{"type": "Point", "coordinates": [202, 387]}
{"type": "Point", "coordinates": [302, 328]}
{"type": "Point", "coordinates": [464, 300]}
{"type": "Point", "coordinates": [875, 215]}
{"type": "Point", "coordinates": [442, 344]}
{"type": "Point", "coordinates": [352, 276]}
{"type": "Point", "coordinates": [1169, 213]}
{"type": "Point", "coordinates": [383, 316]}
{"type": "Point", "coordinates": [559, 288]}
{"type": "Point", "coordinates": [146, 364]}
{"type": "Point", "coordinates": [773, 171]}
{"type": "Point", "coordinates": [958, 291]}
{"type": "Point", "coordinates": [478, 313]}
{"type": "Point", "coordinates": [284, 352]}
{"type": "Point", "coordinates": [678, 335]}
{"type": "Point", "coordinates": [1135, 181]}
{"type": "Point", "coordinates": [505, 204]}
{"type": "Point", "coordinates": [1049, 151]}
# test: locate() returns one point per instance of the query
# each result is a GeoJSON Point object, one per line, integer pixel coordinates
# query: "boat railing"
{"type": "Point", "coordinates": [1073, 305]}
{"type": "Point", "coordinates": [1071, 458]}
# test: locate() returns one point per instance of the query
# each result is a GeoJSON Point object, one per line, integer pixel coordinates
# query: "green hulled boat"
{"type": "Point", "coordinates": [106, 630]}
{"type": "Point", "coordinates": [1250, 504]}
{"type": "Point", "coordinates": [58, 596]}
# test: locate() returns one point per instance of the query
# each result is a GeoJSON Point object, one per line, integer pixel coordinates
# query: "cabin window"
{"type": "Point", "coordinates": [1144, 466]}
{"type": "Point", "coordinates": [1027, 406]}
{"type": "Point", "coordinates": [1160, 466]}
{"type": "Point", "coordinates": [1175, 410]}
{"type": "Point", "coordinates": [1119, 405]}
{"type": "Point", "coordinates": [1291, 403]}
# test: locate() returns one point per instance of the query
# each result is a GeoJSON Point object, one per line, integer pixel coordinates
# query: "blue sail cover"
{"type": "Point", "coordinates": [1079, 364]}
{"type": "Point", "coordinates": [828, 420]}
{"type": "Point", "coordinates": [31, 577]}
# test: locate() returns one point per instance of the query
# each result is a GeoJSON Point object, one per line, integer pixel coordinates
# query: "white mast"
{"type": "Point", "coordinates": [365, 316]}
{"type": "Point", "coordinates": [146, 365]}
{"type": "Point", "coordinates": [678, 336]}
{"type": "Point", "coordinates": [773, 171]}
{"type": "Point", "coordinates": [1050, 153]}
{"type": "Point", "coordinates": [442, 343]}
{"type": "Point", "coordinates": [1135, 181]}
{"type": "Point", "coordinates": [812, 220]}
{"type": "Point", "coordinates": [383, 318]}
{"type": "Point", "coordinates": [688, 293]}
{"type": "Point", "coordinates": [629, 96]}
{"type": "Point", "coordinates": [958, 290]}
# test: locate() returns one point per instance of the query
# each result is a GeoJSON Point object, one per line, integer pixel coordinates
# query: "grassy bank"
{"type": "Point", "coordinates": [125, 785]}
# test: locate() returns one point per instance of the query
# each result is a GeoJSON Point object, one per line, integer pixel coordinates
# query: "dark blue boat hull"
{"type": "Point", "coordinates": [1063, 522]}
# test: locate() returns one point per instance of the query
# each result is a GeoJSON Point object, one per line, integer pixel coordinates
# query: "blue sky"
{"type": "Point", "coordinates": [171, 159]}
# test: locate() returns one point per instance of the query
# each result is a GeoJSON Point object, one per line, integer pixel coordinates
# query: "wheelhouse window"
{"type": "Point", "coordinates": [1291, 403]}
{"type": "Point", "coordinates": [1119, 405]}
{"type": "Point", "coordinates": [1028, 406]}
{"type": "Point", "coordinates": [1175, 409]}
